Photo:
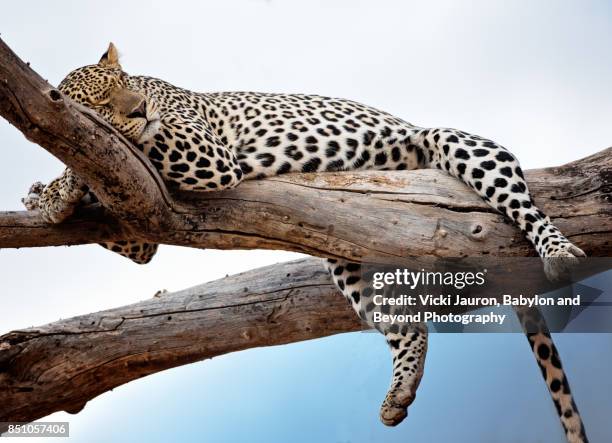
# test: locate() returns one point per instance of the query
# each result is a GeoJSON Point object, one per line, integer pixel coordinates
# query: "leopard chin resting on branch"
{"type": "Point", "coordinates": [209, 142]}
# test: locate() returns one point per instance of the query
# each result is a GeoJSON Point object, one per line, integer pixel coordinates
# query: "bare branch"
{"type": "Point", "coordinates": [88, 355]}
{"type": "Point", "coordinates": [25, 228]}
{"type": "Point", "coordinates": [375, 215]}
{"type": "Point", "coordinates": [378, 215]}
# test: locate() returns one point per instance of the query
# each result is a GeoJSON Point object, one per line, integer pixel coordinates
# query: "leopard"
{"type": "Point", "coordinates": [206, 142]}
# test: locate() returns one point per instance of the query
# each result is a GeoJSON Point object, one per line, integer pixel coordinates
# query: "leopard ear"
{"type": "Point", "coordinates": [110, 57]}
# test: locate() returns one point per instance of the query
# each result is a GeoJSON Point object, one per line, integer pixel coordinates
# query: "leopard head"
{"type": "Point", "coordinates": [104, 87]}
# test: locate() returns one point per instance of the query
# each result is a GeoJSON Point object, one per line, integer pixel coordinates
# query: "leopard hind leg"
{"type": "Point", "coordinates": [407, 342]}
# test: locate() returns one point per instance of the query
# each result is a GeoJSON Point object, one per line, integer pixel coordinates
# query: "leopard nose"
{"type": "Point", "coordinates": [140, 111]}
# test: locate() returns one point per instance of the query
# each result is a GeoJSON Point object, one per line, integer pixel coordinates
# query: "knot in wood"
{"type": "Point", "coordinates": [477, 231]}
{"type": "Point", "coordinates": [55, 95]}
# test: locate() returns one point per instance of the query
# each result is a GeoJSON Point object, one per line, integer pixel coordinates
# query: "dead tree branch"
{"type": "Point", "coordinates": [63, 365]}
{"type": "Point", "coordinates": [91, 354]}
{"type": "Point", "coordinates": [374, 216]}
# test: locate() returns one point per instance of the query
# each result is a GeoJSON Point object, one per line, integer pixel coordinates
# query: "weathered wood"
{"type": "Point", "coordinates": [91, 354]}
{"type": "Point", "coordinates": [367, 215]}
{"type": "Point", "coordinates": [63, 365]}
{"type": "Point", "coordinates": [23, 229]}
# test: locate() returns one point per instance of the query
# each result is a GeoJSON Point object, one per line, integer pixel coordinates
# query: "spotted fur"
{"type": "Point", "coordinates": [213, 141]}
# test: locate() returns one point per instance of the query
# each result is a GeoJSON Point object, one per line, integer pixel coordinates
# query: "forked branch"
{"type": "Point", "coordinates": [364, 216]}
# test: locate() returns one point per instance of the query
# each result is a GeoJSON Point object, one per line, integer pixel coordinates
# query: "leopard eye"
{"type": "Point", "coordinates": [100, 103]}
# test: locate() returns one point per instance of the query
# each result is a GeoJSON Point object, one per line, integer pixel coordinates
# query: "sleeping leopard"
{"type": "Point", "coordinates": [213, 141]}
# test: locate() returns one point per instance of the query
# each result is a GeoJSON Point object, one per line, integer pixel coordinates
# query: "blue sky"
{"type": "Point", "coordinates": [534, 76]}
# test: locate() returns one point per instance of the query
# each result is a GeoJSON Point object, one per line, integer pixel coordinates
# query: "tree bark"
{"type": "Point", "coordinates": [63, 365]}
{"type": "Point", "coordinates": [371, 216]}
{"type": "Point", "coordinates": [91, 354]}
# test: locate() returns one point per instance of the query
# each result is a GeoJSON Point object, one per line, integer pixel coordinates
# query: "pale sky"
{"type": "Point", "coordinates": [534, 76]}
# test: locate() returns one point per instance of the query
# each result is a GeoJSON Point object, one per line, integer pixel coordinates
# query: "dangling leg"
{"type": "Point", "coordinates": [549, 362]}
{"type": "Point", "coordinates": [408, 347]}
{"type": "Point", "coordinates": [408, 343]}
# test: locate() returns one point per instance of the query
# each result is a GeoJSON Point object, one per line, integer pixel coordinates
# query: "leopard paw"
{"type": "Point", "coordinates": [57, 200]}
{"type": "Point", "coordinates": [392, 414]}
{"type": "Point", "coordinates": [395, 406]}
{"type": "Point", "coordinates": [559, 262]}
{"type": "Point", "coordinates": [52, 207]}
{"type": "Point", "coordinates": [32, 201]}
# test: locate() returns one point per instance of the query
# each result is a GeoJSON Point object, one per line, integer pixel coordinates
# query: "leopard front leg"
{"type": "Point", "coordinates": [58, 200]}
{"type": "Point", "coordinates": [408, 342]}
{"type": "Point", "coordinates": [137, 251]}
